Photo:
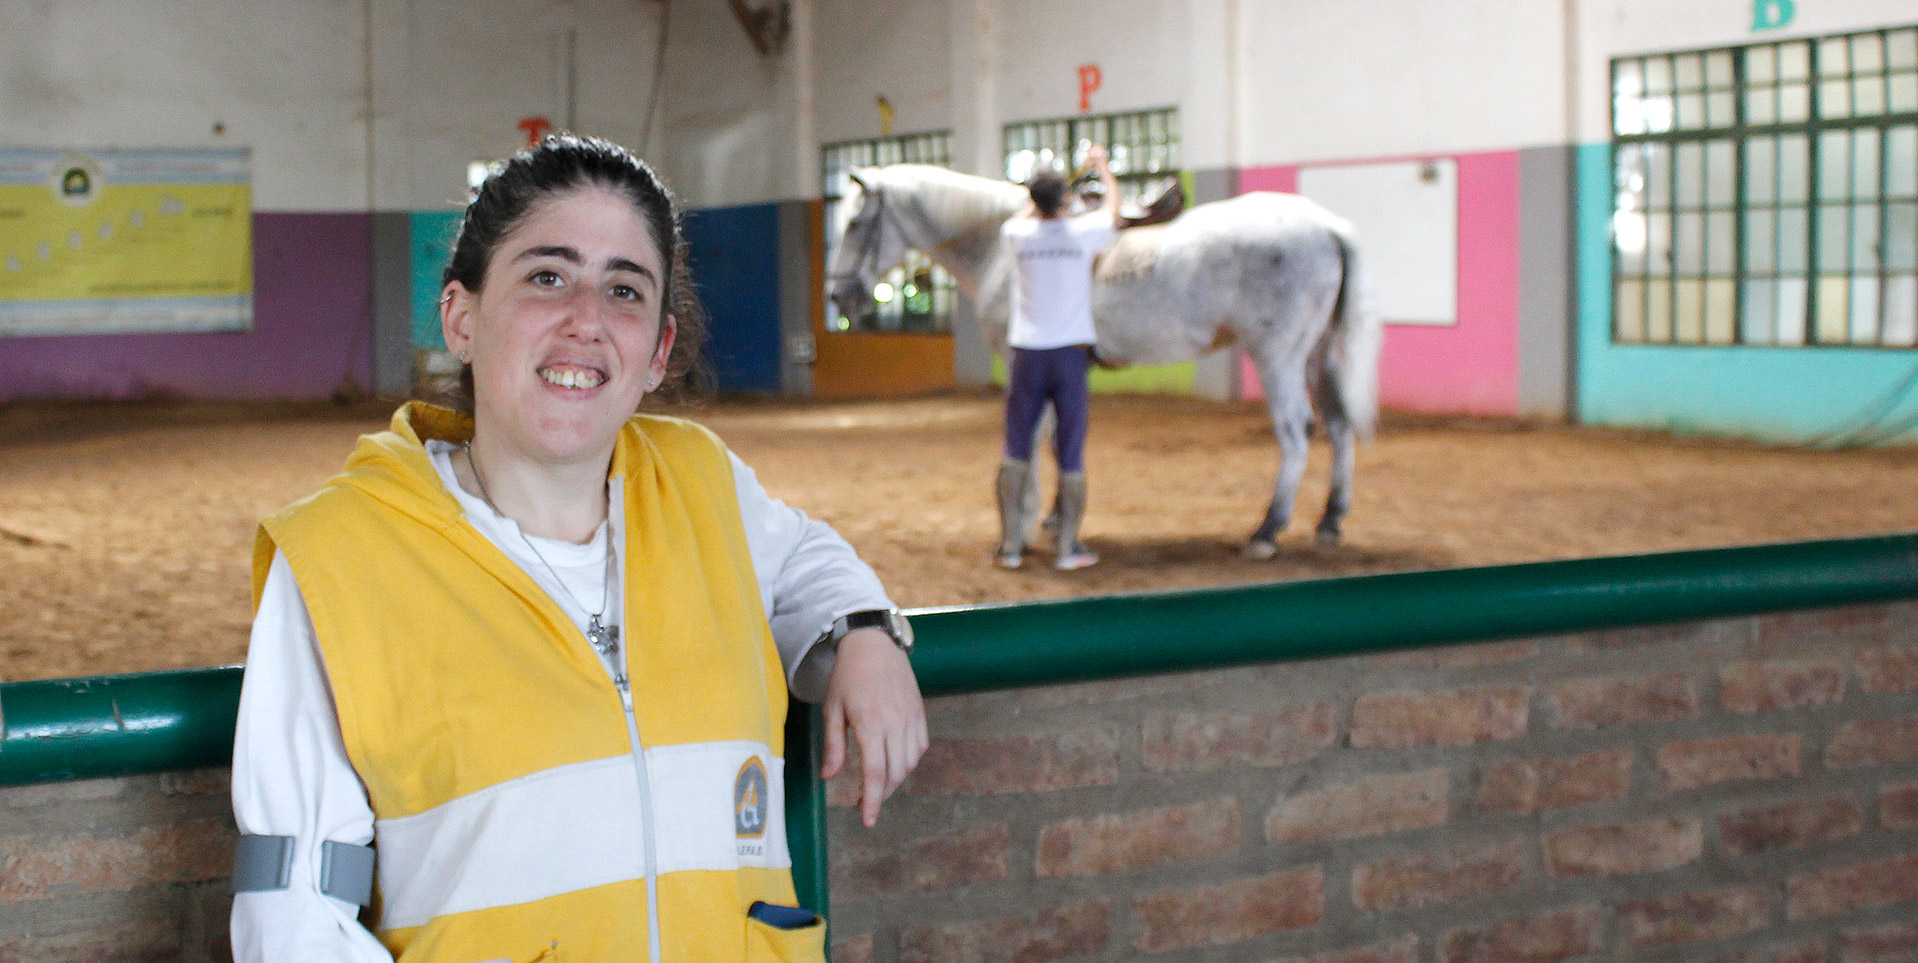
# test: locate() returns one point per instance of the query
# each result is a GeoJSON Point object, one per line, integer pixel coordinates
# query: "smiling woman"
{"type": "Point", "coordinates": [503, 203]}
{"type": "Point", "coordinates": [568, 332]}
{"type": "Point", "coordinates": [546, 603]}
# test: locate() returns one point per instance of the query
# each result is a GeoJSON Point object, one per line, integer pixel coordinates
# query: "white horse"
{"type": "Point", "coordinates": [1276, 273]}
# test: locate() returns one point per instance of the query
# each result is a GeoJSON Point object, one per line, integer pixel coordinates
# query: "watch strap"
{"type": "Point", "coordinates": [886, 620]}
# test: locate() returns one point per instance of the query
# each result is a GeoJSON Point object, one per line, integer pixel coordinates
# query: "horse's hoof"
{"type": "Point", "coordinates": [1260, 550]}
{"type": "Point", "coordinates": [1328, 537]}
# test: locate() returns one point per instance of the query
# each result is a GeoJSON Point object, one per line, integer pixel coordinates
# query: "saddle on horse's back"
{"type": "Point", "coordinates": [1138, 244]}
{"type": "Point", "coordinates": [1161, 209]}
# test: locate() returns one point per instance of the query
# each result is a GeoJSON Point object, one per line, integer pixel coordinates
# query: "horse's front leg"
{"type": "Point", "coordinates": [1286, 398]}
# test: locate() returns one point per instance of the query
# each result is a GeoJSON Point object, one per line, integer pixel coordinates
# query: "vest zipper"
{"type": "Point", "coordinates": [615, 517]}
{"type": "Point", "coordinates": [645, 817]}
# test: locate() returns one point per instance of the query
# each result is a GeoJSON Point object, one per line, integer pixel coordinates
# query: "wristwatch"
{"type": "Point", "coordinates": [889, 621]}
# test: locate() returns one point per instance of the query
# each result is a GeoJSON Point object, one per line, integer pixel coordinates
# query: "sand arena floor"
{"type": "Point", "coordinates": [126, 530]}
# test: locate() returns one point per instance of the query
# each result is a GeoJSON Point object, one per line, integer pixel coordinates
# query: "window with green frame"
{"type": "Point", "coordinates": [1144, 147]}
{"type": "Point", "coordinates": [917, 296]}
{"type": "Point", "coordinates": [1767, 194]}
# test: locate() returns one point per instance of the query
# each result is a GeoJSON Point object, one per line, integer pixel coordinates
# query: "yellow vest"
{"type": "Point", "coordinates": [496, 753]}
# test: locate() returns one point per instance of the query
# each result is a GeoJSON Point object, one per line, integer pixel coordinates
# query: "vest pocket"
{"type": "Point", "coordinates": [770, 942]}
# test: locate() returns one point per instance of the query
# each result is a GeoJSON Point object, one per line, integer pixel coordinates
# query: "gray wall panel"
{"type": "Point", "coordinates": [392, 303]}
{"type": "Point", "coordinates": [796, 348]}
{"type": "Point", "coordinates": [1545, 342]}
{"type": "Point", "coordinates": [1217, 374]}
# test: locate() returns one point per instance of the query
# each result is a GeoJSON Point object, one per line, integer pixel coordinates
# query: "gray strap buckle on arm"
{"type": "Point", "coordinates": [264, 863]}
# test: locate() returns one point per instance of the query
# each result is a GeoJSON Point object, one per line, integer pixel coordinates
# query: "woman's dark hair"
{"type": "Point", "coordinates": [1048, 190]}
{"type": "Point", "coordinates": [567, 162]}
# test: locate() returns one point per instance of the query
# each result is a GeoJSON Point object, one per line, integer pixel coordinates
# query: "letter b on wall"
{"type": "Point", "coordinates": [1772, 14]}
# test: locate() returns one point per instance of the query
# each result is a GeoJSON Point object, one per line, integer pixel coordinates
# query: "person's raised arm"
{"type": "Point", "coordinates": [1101, 166]}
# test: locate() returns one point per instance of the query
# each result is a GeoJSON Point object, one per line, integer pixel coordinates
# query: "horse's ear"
{"type": "Point", "coordinates": [860, 178]}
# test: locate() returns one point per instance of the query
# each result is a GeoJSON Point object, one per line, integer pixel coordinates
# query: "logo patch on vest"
{"type": "Point", "coordinates": [750, 799]}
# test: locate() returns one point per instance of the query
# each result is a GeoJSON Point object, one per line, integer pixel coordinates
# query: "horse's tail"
{"type": "Point", "coordinates": [1353, 344]}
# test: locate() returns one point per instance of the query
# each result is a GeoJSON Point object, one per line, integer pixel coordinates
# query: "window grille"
{"type": "Point", "coordinates": [1767, 194]}
{"type": "Point", "coordinates": [1144, 148]}
{"type": "Point", "coordinates": [917, 296]}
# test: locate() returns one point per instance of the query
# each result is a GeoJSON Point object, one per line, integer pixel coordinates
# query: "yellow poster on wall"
{"type": "Point", "coordinates": [122, 241]}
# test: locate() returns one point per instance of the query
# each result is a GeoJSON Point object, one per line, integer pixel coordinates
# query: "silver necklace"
{"type": "Point", "coordinates": [603, 638]}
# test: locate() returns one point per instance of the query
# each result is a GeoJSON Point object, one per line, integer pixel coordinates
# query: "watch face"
{"type": "Point", "coordinates": [901, 630]}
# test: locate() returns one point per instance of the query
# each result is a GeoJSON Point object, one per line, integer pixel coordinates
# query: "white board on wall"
{"type": "Point", "coordinates": [1406, 213]}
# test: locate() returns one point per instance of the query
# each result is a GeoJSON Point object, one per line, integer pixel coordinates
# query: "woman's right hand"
{"type": "Point", "coordinates": [873, 692]}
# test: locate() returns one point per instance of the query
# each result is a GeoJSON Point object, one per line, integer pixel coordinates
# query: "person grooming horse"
{"type": "Point", "coordinates": [1051, 338]}
{"type": "Point", "coordinates": [1275, 274]}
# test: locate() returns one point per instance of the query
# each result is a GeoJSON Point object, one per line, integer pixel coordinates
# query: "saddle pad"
{"type": "Point", "coordinates": [1133, 254]}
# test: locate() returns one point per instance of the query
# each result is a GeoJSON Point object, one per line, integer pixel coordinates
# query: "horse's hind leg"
{"type": "Point", "coordinates": [1338, 431]}
{"type": "Point", "coordinates": [1286, 398]}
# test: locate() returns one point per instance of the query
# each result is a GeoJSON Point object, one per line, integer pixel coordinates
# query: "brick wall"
{"type": "Point", "coordinates": [1735, 790]}
{"type": "Point", "coordinates": [116, 870]}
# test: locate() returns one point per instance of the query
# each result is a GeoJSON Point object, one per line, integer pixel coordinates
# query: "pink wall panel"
{"type": "Point", "coordinates": [1284, 179]}
{"type": "Point", "coordinates": [1470, 367]}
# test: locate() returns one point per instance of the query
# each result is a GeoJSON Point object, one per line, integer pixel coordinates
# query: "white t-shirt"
{"type": "Point", "coordinates": [1052, 291]}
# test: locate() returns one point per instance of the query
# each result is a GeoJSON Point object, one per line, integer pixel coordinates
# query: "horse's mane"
{"type": "Point", "coordinates": [954, 198]}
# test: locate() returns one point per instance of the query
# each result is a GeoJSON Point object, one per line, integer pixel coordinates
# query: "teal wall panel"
{"type": "Point", "coordinates": [1821, 395]}
{"type": "Point", "coordinates": [433, 233]}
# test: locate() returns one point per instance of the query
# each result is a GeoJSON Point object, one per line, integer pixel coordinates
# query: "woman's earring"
{"type": "Point", "coordinates": [464, 359]}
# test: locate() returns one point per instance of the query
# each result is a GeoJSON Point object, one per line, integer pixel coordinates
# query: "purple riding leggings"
{"type": "Point", "coordinates": [1050, 374]}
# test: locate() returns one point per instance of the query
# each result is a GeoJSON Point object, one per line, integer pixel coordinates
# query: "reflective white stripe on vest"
{"type": "Point", "coordinates": [578, 826]}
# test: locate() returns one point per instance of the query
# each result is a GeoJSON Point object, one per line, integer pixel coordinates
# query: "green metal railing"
{"type": "Point", "coordinates": [1077, 640]}
{"type": "Point", "coordinates": [121, 725]}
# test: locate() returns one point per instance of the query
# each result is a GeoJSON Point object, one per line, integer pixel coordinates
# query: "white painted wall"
{"type": "Point", "coordinates": [964, 65]}
{"type": "Point", "coordinates": [901, 52]}
{"type": "Point", "coordinates": [285, 77]}
{"type": "Point", "coordinates": [1257, 82]}
{"type": "Point", "coordinates": [977, 146]}
{"type": "Point", "coordinates": [729, 113]}
{"type": "Point", "coordinates": [1139, 46]}
{"type": "Point", "coordinates": [1213, 103]}
{"type": "Point", "coordinates": [1336, 79]}
{"type": "Point", "coordinates": [288, 78]}
{"type": "Point", "coordinates": [926, 57]}
{"type": "Point", "coordinates": [463, 74]}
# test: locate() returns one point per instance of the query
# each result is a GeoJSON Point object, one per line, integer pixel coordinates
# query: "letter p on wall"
{"type": "Point", "coordinates": [1091, 79]}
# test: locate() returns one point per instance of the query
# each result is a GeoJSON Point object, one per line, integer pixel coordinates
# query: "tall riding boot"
{"type": "Point", "coordinates": [1072, 510]}
{"type": "Point", "coordinates": [1013, 475]}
